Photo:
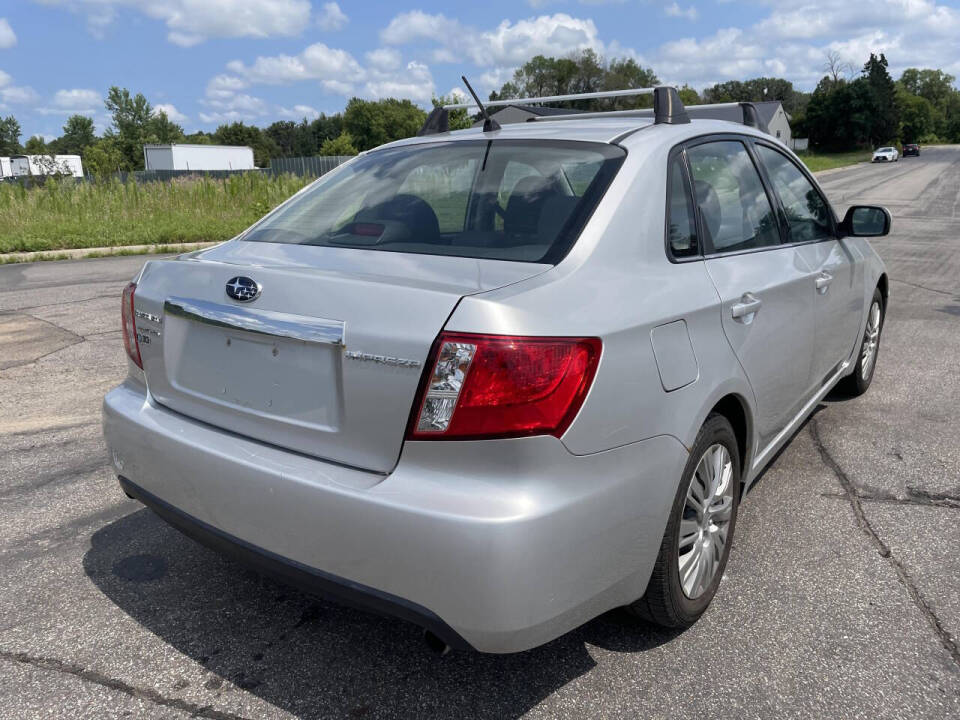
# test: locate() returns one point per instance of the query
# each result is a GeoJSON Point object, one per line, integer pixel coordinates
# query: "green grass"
{"type": "Point", "coordinates": [63, 215]}
{"type": "Point", "coordinates": [827, 161]}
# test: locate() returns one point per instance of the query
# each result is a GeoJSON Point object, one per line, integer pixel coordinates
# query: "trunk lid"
{"type": "Point", "coordinates": [325, 361]}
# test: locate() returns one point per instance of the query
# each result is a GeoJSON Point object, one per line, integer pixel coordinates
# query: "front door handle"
{"type": "Point", "coordinates": [748, 305]}
{"type": "Point", "coordinates": [823, 282]}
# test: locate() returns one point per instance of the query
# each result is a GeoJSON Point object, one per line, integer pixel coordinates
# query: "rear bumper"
{"type": "Point", "coordinates": [497, 545]}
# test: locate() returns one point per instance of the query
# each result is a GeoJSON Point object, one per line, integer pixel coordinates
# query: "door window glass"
{"type": "Point", "coordinates": [734, 208]}
{"type": "Point", "coordinates": [807, 214]}
{"type": "Point", "coordinates": [681, 228]}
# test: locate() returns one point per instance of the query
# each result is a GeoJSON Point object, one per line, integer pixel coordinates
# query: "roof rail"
{"type": "Point", "coordinates": [667, 109]}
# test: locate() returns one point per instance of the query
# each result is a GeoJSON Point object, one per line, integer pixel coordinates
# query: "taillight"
{"type": "Point", "coordinates": [486, 386]}
{"type": "Point", "coordinates": [130, 343]}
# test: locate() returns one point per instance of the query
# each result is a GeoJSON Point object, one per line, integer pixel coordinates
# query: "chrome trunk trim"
{"type": "Point", "coordinates": [261, 322]}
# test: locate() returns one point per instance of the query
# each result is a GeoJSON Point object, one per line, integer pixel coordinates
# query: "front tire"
{"type": "Point", "coordinates": [858, 383]}
{"type": "Point", "coordinates": [696, 542]}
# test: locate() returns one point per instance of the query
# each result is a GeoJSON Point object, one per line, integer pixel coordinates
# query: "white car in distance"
{"type": "Point", "coordinates": [886, 154]}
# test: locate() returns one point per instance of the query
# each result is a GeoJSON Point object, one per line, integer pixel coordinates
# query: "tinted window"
{"type": "Point", "coordinates": [807, 214]}
{"type": "Point", "coordinates": [734, 209]}
{"type": "Point", "coordinates": [504, 200]}
{"type": "Point", "coordinates": [681, 228]}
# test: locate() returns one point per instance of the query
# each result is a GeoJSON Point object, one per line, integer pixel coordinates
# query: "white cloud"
{"type": "Point", "coordinates": [77, 100]}
{"type": "Point", "coordinates": [674, 10]}
{"type": "Point", "coordinates": [384, 59]}
{"type": "Point", "coordinates": [316, 62]}
{"type": "Point", "coordinates": [11, 94]}
{"type": "Point", "coordinates": [415, 83]}
{"type": "Point", "coordinates": [190, 22]}
{"type": "Point", "coordinates": [171, 112]}
{"type": "Point", "coordinates": [299, 112]}
{"type": "Point", "coordinates": [8, 38]}
{"type": "Point", "coordinates": [508, 43]}
{"type": "Point", "coordinates": [332, 17]}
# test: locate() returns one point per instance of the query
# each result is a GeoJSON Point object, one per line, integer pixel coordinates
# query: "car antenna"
{"type": "Point", "coordinates": [488, 122]}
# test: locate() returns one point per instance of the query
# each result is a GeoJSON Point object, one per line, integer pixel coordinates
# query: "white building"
{"type": "Point", "coordinates": [21, 165]}
{"type": "Point", "coordinates": [197, 157]}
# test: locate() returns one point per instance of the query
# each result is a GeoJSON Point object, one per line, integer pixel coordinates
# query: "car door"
{"type": "Point", "coordinates": [837, 270]}
{"type": "Point", "coordinates": [764, 286]}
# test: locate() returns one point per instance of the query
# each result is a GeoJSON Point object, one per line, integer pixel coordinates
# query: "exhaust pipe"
{"type": "Point", "coordinates": [437, 646]}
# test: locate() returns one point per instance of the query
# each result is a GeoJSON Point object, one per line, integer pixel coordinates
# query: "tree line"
{"type": "Point", "coordinates": [843, 112]}
{"type": "Point", "coordinates": [363, 124]}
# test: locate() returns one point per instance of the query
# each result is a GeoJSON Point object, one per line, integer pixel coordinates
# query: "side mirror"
{"type": "Point", "coordinates": [866, 221]}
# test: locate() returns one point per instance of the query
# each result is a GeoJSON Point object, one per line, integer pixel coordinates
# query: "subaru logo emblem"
{"type": "Point", "coordinates": [243, 289]}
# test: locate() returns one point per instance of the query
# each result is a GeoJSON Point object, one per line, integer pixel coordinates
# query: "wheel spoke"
{"type": "Point", "coordinates": [721, 511]}
{"type": "Point", "coordinates": [689, 532]}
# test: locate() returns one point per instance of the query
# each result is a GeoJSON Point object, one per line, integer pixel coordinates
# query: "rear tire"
{"type": "Point", "coordinates": [696, 544]}
{"type": "Point", "coordinates": [857, 384]}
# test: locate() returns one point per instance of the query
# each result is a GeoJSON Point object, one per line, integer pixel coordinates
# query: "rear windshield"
{"type": "Point", "coordinates": [505, 200]}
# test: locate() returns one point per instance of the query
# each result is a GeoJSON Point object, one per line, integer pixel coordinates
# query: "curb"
{"type": "Point", "coordinates": [82, 253]}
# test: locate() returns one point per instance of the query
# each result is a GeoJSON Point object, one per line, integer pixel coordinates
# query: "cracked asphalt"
{"type": "Point", "coordinates": [841, 598]}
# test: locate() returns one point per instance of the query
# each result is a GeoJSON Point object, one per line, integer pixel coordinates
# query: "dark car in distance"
{"type": "Point", "coordinates": [911, 149]}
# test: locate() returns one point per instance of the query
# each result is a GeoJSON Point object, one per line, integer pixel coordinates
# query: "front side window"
{"type": "Point", "coordinates": [734, 209]}
{"type": "Point", "coordinates": [681, 227]}
{"type": "Point", "coordinates": [808, 216]}
{"type": "Point", "coordinates": [505, 200]}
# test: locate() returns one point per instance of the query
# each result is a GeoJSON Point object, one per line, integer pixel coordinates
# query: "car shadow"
{"type": "Point", "coordinates": [317, 659]}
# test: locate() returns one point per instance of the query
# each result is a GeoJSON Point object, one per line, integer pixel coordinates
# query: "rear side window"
{"type": "Point", "coordinates": [807, 214]}
{"type": "Point", "coordinates": [505, 200]}
{"type": "Point", "coordinates": [735, 212]}
{"type": "Point", "coordinates": [681, 227]}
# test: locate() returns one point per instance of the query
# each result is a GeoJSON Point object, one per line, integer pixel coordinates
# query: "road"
{"type": "Point", "coordinates": [841, 599]}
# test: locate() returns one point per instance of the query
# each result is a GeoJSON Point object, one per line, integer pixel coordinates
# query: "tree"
{"type": "Point", "coordinates": [371, 123]}
{"type": "Point", "coordinates": [688, 96]}
{"type": "Point", "coordinates": [10, 136]}
{"type": "Point", "coordinates": [582, 72]}
{"type": "Point", "coordinates": [459, 119]}
{"type": "Point", "coordinates": [103, 158]}
{"type": "Point", "coordinates": [162, 130]}
{"type": "Point", "coordinates": [78, 135]}
{"type": "Point", "coordinates": [918, 116]}
{"type": "Point", "coordinates": [340, 145]}
{"type": "Point", "coordinates": [935, 86]}
{"type": "Point", "coordinates": [626, 74]}
{"type": "Point", "coordinates": [240, 134]}
{"type": "Point", "coordinates": [36, 145]}
{"type": "Point", "coordinates": [886, 119]}
{"type": "Point", "coordinates": [131, 119]}
{"type": "Point", "coordinates": [836, 68]}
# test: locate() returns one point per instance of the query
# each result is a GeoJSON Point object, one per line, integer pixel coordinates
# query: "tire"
{"type": "Point", "coordinates": [857, 384]}
{"type": "Point", "coordinates": [672, 598]}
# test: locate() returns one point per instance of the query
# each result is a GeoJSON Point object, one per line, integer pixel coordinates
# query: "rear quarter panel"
{"type": "Point", "coordinates": [617, 284]}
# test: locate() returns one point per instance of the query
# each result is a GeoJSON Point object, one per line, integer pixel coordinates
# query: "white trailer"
{"type": "Point", "coordinates": [197, 157]}
{"type": "Point", "coordinates": [21, 165]}
{"type": "Point", "coordinates": [6, 170]}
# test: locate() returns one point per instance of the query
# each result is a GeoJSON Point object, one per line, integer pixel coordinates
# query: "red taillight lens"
{"type": "Point", "coordinates": [130, 343]}
{"type": "Point", "coordinates": [485, 386]}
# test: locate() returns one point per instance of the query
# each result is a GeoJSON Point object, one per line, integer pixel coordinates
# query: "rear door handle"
{"type": "Point", "coordinates": [748, 305]}
{"type": "Point", "coordinates": [823, 282]}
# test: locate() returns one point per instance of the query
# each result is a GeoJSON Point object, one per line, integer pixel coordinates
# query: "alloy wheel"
{"type": "Point", "coordinates": [705, 522]}
{"type": "Point", "coordinates": [871, 336]}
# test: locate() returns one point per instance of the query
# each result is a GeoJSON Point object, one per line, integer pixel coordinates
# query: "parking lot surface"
{"type": "Point", "coordinates": [841, 598]}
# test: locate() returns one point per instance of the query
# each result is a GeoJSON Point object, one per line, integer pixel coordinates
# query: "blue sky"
{"type": "Point", "coordinates": [212, 61]}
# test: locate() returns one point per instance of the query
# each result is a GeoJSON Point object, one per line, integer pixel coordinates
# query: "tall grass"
{"type": "Point", "coordinates": [65, 214]}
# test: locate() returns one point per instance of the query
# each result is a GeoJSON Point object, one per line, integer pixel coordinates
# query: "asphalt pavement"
{"type": "Point", "coordinates": [841, 598]}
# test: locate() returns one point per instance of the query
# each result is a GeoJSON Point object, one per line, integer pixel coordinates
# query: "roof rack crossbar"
{"type": "Point", "coordinates": [555, 98]}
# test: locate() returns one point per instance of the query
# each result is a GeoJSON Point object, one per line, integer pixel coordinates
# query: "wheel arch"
{"type": "Point", "coordinates": [884, 287]}
{"type": "Point", "coordinates": [734, 408]}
